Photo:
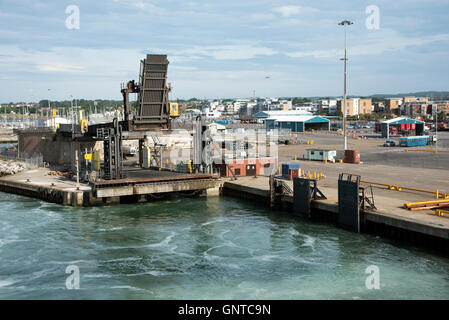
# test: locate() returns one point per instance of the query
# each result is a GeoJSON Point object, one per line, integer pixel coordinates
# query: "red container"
{"type": "Point", "coordinates": [352, 156]}
{"type": "Point", "coordinates": [293, 173]}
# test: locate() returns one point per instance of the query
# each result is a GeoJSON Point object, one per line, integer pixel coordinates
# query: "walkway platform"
{"type": "Point", "coordinates": [140, 186]}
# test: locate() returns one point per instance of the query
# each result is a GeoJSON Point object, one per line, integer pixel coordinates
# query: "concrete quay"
{"type": "Point", "coordinates": [39, 183]}
{"type": "Point", "coordinates": [390, 219]}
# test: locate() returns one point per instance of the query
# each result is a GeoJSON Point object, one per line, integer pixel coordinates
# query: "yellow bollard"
{"type": "Point", "coordinates": [307, 141]}
{"type": "Point", "coordinates": [437, 195]}
{"type": "Point", "coordinates": [311, 142]}
{"type": "Point", "coordinates": [325, 160]}
{"type": "Point", "coordinates": [295, 157]}
{"type": "Point", "coordinates": [279, 170]}
{"type": "Point", "coordinates": [309, 175]}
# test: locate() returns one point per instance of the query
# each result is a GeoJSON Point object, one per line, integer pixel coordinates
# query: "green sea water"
{"type": "Point", "coordinates": [215, 248]}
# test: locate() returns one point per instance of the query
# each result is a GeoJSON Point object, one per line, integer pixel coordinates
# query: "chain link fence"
{"type": "Point", "coordinates": [30, 161]}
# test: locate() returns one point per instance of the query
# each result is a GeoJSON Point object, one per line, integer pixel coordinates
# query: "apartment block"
{"type": "Point", "coordinates": [392, 105]}
{"type": "Point", "coordinates": [365, 106]}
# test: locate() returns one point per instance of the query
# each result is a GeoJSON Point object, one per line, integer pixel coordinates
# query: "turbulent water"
{"type": "Point", "coordinates": [216, 248]}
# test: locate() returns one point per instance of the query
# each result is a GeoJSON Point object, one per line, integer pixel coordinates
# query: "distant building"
{"type": "Point", "coordinates": [392, 105]}
{"type": "Point", "coordinates": [327, 106]}
{"type": "Point", "coordinates": [365, 106]}
{"type": "Point", "coordinates": [355, 106]}
{"type": "Point", "coordinates": [299, 123]}
{"type": "Point", "coordinates": [311, 107]}
{"type": "Point", "coordinates": [262, 115]}
{"type": "Point", "coordinates": [379, 107]}
{"type": "Point", "coordinates": [418, 108]}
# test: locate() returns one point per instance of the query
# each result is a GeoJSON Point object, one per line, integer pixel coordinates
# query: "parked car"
{"type": "Point", "coordinates": [389, 143]}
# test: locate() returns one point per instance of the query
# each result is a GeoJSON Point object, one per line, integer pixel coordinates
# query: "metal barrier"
{"type": "Point", "coordinates": [427, 150]}
{"type": "Point", "coordinates": [437, 193]}
{"type": "Point", "coordinates": [426, 204]}
{"type": "Point", "coordinates": [33, 161]}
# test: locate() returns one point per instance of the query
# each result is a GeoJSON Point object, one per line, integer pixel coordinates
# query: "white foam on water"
{"type": "Point", "coordinates": [293, 232]}
{"type": "Point", "coordinates": [4, 242]}
{"type": "Point", "coordinates": [164, 242]}
{"type": "Point", "coordinates": [156, 273]}
{"type": "Point", "coordinates": [213, 221]}
{"type": "Point", "coordinates": [308, 241]}
{"type": "Point", "coordinates": [5, 283]}
{"type": "Point", "coordinates": [128, 287]}
{"type": "Point", "coordinates": [267, 257]}
{"type": "Point", "coordinates": [98, 275]}
{"type": "Point", "coordinates": [111, 229]}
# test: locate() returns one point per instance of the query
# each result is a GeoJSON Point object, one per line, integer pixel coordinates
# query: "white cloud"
{"type": "Point", "coordinates": [383, 41]}
{"type": "Point", "coordinates": [226, 52]}
{"type": "Point", "coordinates": [261, 16]}
{"type": "Point", "coordinates": [65, 68]}
{"type": "Point", "coordinates": [288, 11]}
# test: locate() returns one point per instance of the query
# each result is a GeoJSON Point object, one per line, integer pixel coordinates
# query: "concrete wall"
{"type": "Point", "coordinates": [55, 149]}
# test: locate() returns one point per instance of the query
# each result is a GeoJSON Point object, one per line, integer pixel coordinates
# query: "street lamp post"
{"type": "Point", "coordinates": [436, 127]}
{"type": "Point", "coordinates": [48, 103]}
{"type": "Point", "coordinates": [344, 24]}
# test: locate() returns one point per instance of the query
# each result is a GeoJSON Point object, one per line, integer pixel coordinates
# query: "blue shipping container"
{"type": "Point", "coordinates": [287, 166]}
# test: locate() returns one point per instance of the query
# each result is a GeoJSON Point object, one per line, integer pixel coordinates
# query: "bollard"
{"type": "Point", "coordinates": [437, 195]}
{"type": "Point", "coordinates": [295, 157]}
{"type": "Point", "coordinates": [279, 170]}
{"type": "Point", "coordinates": [325, 160]}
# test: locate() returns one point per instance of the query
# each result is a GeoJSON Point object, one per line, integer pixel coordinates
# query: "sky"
{"type": "Point", "coordinates": [222, 49]}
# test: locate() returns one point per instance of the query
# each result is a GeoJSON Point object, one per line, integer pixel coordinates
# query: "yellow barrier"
{"type": "Point", "coordinates": [426, 204]}
{"type": "Point", "coordinates": [426, 150]}
{"type": "Point", "coordinates": [442, 213]}
{"type": "Point", "coordinates": [400, 188]}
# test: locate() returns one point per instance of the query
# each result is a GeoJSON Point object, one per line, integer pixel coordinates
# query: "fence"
{"type": "Point", "coordinates": [31, 161]}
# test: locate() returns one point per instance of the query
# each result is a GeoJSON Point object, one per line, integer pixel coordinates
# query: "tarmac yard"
{"type": "Point", "coordinates": [389, 165]}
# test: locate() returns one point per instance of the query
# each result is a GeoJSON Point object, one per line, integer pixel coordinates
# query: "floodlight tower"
{"type": "Point", "coordinates": [344, 24]}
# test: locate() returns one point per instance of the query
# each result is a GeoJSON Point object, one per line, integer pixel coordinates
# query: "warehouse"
{"type": "Point", "coordinates": [263, 115]}
{"type": "Point", "coordinates": [401, 125]}
{"type": "Point", "coordinates": [298, 123]}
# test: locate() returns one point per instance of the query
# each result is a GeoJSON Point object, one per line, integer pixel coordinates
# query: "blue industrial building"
{"type": "Point", "coordinates": [262, 115]}
{"type": "Point", "coordinates": [385, 125]}
{"type": "Point", "coordinates": [297, 123]}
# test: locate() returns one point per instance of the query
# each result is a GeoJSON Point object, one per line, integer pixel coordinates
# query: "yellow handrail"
{"type": "Point", "coordinates": [399, 188]}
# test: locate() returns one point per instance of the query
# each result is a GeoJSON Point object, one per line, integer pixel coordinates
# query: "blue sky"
{"type": "Point", "coordinates": [222, 48]}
